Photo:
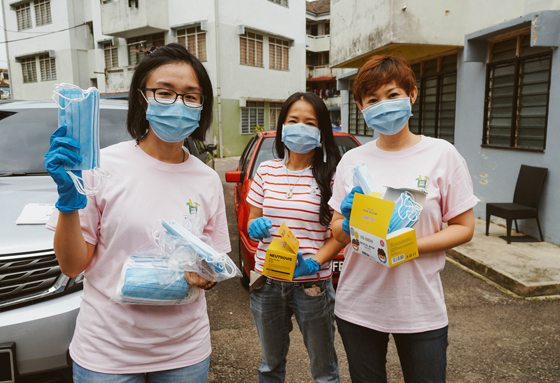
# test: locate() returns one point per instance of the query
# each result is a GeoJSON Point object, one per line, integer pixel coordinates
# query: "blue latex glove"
{"type": "Point", "coordinates": [305, 266]}
{"type": "Point", "coordinates": [56, 157]}
{"type": "Point", "coordinates": [259, 228]}
{"type": "Point", "coordinates": [346, 208]}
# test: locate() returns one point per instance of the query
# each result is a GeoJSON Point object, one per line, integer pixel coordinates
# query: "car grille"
{"type": "Point", "coordinates": [26, 275]}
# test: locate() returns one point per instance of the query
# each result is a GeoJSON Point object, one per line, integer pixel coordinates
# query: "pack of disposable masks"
{"type": "Point", "coordinates": [155, 274]}
{"type": "Point", "coordinates": [406, 212]}
{"type": "Point", "coordinates": [362, 178]}
{"type": "Point", "coordinates": [78, 111]}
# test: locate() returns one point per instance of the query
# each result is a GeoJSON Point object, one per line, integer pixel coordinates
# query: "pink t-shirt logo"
{"type": "Point", "coordinates": [193, 207]}
{"type": "Point", "coordinates": [422, 182]}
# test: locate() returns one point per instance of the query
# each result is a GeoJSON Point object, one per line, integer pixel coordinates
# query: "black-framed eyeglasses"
{"type": "Point", "coordinates": [168, 97]}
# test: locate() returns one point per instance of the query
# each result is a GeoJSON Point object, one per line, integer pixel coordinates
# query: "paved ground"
{"type": "Point", "coordinates": [494, 336]}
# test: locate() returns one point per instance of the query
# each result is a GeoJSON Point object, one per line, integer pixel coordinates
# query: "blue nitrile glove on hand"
{"type": "Point", "coordinates": [346, 208]}
{"type": "Point", "coordinates": [259, 228]}
{"type": "Point", "coordinates": [305, 266]}
{"type": "Point", "coordinates": [56, 157]}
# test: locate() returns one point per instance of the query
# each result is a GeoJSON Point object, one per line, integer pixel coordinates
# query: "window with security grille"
{"type": "Point", "coordinates": [279, 54]}
{"type": "Point", "coordinates": [138, 46]}
{"type": "Point", "coordinates": [433, 113]}
{"type": "Point", "coordinates": [29, 70]}
{"type": "Point", "coordinates": [283, 3]}
{"type": "Point", "coordinates": [23, 14]}
{"type": "Point", "coordinates": [48, 67]}
{"type": "Point", "coordinates": [194, 39]}
{"type": "Point", "coordinates": [251, 49]}
{"type": "Point", "coordinates": [111, 55]}
{"type": "Point", "coordinates": [43, 12]}
{"type": "Point", "coordinates": [517, 94]}
{"type": "Point", "coordinates": [274, 112]}
{"type": "Point", "coordinates": [252, 116]}
{"type": "Point", "coordinates": [356, 123]}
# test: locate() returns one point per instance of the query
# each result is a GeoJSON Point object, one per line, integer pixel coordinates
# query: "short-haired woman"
{"type": "Point", "coordinates": [295, 189]}
{"type": "Point", "coordinates": [150, 179]}
{"type": "Point", "coordinates": [407, 300]}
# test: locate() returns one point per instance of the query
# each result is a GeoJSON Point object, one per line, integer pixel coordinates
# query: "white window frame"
{"type": "Point", "coordinates": [274, 109]}
{"type": "Point", "coordinates": [29, 69]}
{"type": "Point", "coordinates": [279, 50]}
{"type": "Point", "coordinates": [48, 67]}
{"type": "Point", "coordinates": [247, 120]}
{"type": "Point", "coordinates": [111, 55]}
{"type": "Point", "coordinates": [23, 15]}
{"type": "Point", "coordinates": [258, 43]}
{"type": "Point", "coordinates": [42, 12]}
{"type": "Point", "coordinates": [194, 39]}
{"type": "Point", "coordinates": [148, 43]}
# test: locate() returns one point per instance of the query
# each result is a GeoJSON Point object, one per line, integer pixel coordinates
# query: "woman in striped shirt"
{"type": "Point", "coordinates": [295, 189]}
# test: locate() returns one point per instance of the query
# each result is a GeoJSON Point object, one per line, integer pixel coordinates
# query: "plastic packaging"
{"type": "Point", "coordinates": [405, 213]}
{"type": "Point", "coordinates": [154, 274]}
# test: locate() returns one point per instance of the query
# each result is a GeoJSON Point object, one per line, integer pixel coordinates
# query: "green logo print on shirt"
{"type": "Point", "coordinates": [422, 182]}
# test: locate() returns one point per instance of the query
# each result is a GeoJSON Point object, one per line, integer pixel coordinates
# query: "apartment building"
{"type": "Point", "coordinates": [254, 51]}
{"type": "Point", "coordinates": [488, 80]}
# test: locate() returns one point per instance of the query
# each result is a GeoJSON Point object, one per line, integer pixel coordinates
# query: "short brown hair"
{"type": "Point", "coordinates": [381, 70]}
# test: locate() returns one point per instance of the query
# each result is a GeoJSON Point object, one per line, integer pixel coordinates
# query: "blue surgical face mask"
{"type": "Point", "coordinates": [405, 213]}
{"type": "Point", "coordinates": [301, 138]}
{"type": "Point", "coordinates": [79, 112]}
{"type": "Point", "coordinates": [388, 117]}
{"type": "Point", "coordinates": [172, 123]}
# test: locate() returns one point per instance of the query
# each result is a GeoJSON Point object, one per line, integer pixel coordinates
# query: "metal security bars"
{"type": "Point", "coordinates": [279, 54]}
{"type": "Point", "coordinates": [433, 113]}
{"type": "Point", "coordinates": [111, 55]}
{"type": "Point", "coordinates": [48, 67]}
{"type": "Point", "coordinates": [23, 14]}
{"type": "Point", "coordinates": [251, 116]}
{"type": "Point", "coordinates": [274, 112]}
{"type": "Point", "coordinates": [283, 3]}
{"type": "Point", "coordinates": [138, 46]}
{"type": "Point", "coordinates": [251, 49]}
{"type": "Point", "coordinates": [194, 39]}
{"type": "Point", "coordinates": [43, 12]}
{"type": "Point", "coordinates": [517, 95]}
{"type": "Point", "coordinates": [29, 70]}
{"type": "Point", "coordinates": [357, 124]}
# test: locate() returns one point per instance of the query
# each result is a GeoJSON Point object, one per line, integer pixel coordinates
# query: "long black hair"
{"type": "Point", "coordinates": [322, 171]}
{"type": "Point", "coordinates": [136, 122]}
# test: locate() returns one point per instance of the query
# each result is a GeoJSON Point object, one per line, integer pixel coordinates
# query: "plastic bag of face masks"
{"type": "Point", "coordinates": [154, 275]}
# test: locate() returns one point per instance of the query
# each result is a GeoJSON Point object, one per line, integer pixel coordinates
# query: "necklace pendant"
{"type": "Point", "coordinates": [289, 194]}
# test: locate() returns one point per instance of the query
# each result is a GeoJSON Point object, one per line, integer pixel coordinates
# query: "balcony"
{"type": "Point", "coordinates": [130, 18]}
{"type": "Point", "coordinates": [318, 43]}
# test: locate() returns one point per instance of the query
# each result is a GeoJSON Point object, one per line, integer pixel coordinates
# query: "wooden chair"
{"type": "Point", "coordinates": [526, 199]}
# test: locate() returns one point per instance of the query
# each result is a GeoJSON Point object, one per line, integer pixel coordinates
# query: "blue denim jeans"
{"type": "Point", "coordinates": [197, 373]}
{"type": "Point", "coordinates": [273, 306]}
{"type": "Point", "coordinates": [423, 355]}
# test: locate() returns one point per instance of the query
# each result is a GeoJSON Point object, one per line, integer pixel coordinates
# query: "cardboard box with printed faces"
{"type": "Point", "coordinates": [369, 224]}
{"type": "Point", "coordinates": [281, 255]}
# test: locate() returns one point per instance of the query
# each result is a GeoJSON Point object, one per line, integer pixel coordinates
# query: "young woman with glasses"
{"type": "Point", "coordinates": [150, 179]}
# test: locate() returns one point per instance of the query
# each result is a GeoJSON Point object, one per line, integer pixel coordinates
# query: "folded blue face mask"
{"type": "Point", "coordinates": [215, 260]}
{"type": "Point", "coordinates": [146, 283]}
{"type": "Point", "coordinates": [362, 178]}
{"type": "Point", "coordinates": [79, 112]}
{"type": "Point", "coordinates": [172, 123]}
{"type": "Point", "coordinates": [301, 138]}
{"type": "Point", "coordinates": [388, 117]}
{"type": "Point", "coordinates": [405, 213]}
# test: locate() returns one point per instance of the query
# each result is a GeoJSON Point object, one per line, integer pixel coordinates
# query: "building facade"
{"type": "Point", "coordinates": [488, 78]}
{"type": "Point", "coordinates": [254, 51]}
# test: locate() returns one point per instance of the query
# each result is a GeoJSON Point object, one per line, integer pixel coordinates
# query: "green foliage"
{"type": "Point", "coordinates": [258, 128]}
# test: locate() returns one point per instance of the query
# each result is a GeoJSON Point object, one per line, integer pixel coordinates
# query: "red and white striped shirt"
{"type": "Point", "coordinates": [269, 191]}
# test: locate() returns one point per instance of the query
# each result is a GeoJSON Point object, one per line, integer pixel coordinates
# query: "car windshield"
{"type": "Point", "coordinates": [25, 136]}
{"type": "Point", "coordinates": [267, 151]}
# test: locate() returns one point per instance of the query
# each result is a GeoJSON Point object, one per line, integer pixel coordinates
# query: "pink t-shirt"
{"type": "Point", "coordinates": [125, 339]}
{"type": "Point", "coordinates": [407, 298]}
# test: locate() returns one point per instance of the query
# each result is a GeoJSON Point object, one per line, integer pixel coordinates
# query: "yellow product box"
{"type": "Point", "coordinates": [281, 255]}
{"type": "Point", "coordinates": [369, 224]}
